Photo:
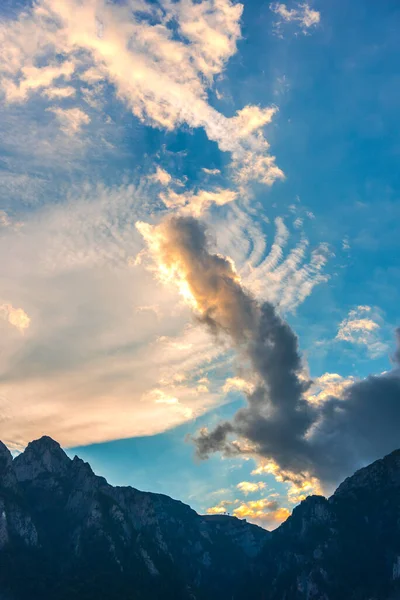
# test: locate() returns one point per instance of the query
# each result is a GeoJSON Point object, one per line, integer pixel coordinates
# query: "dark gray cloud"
{"type": "Point", "coordinates": [328, 442]}
{"type": "Point", "coordinates": [358, 428]}
{"type": "Point", "coordinates": [396, 357]}
{"type": "Point", "coordinates": [278, 423]}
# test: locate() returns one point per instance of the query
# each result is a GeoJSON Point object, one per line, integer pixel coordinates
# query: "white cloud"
{"type": "Point", "coordinates": [282, 272]}
{"type": "Point", "coordinates": [161, 176]}
{"type": "Point", "coordinates": [237, 384]}
{"type": "Point", "coordinates": [211, 171]}
{"type": "Point", "coordinates": [36, 78]}
{"type": "Point", "coordinates": [328, 385]}
{"type": "Point", "coordinates": [162, 78]}
{"type": "Point", "coordinates": [363, 327]}
{"type": "Point", "coordinates": [197, 203]}
{"type": "Point", "coordinates": [71, 119]}
{"type": "Point", "coordinates": [60, 92]}
{"type": "Point", "coordinates": [252, 118]}
{"type": "Point", "coordinates": [303, 15]}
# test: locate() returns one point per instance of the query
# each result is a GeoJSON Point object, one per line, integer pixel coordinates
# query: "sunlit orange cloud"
{"type": "Point", "coordinates": [170, 266]}
{"type": "Point", "coordinates": [265, 512]}
{"type": "Point", "coordinates": [205, 281]}
{"type": "Point", "coordinates": [248, 487]}
{"type": "Point", "coordinates": [300, 485]}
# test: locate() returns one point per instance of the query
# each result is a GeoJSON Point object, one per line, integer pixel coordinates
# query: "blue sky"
{"type": "Point", "coordinates": [139, 112]}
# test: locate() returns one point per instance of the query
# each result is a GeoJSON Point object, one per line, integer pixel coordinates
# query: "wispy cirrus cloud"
{"type": "Point", "coordinates": [198, 202]}
{"type": "Point", "coordinates": [283, 270]}
{"type": "Point", "coordinates": [302, 15]}
{"type": "Point", "coordinates": [71, 119]}
{"type": "Point", "coordinates": [363, 327]}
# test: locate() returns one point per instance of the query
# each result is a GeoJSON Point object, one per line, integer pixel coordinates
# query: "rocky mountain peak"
{"type": "Point", "coordinates": [64, 525]}
{"type": "Point", "coordinates": [312, 511]}
{"type": "Point", "coordinates": [68, 527]}
{"type": "Point", "coordinates": [378, 475]}
{"type": "Point", "coordinates": [5, 457]}
{"type": "Point", "coordinates": [44, 455]}
{"type": "Point", "coordinates": [7, 475]}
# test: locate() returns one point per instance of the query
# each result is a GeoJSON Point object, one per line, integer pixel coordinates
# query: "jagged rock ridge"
{"type": "Point", "coordinates": [65, 533]}
{"type": "Point", "coordinates": [73, 535]}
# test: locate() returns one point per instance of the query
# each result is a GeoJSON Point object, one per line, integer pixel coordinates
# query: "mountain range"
{"type": "Point", "coordinates": [66, 534]}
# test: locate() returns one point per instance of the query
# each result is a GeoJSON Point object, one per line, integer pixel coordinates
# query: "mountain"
{"type": "Point", "coordinates": [66, 534]}
{"type": "Point", "coordinates": [344, 547]}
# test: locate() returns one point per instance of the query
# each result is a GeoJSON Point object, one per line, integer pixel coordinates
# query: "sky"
{"type": "Point", "coordinates": [198, 232]}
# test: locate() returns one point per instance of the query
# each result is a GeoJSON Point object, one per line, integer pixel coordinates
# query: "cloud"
{"type": "Point", "coordinates": [237, 384]}
{"type": "Point", "coordinates": [305, 442]}
{"type": "Point", "coordinates": [36, 78]}
{"type": "Point", "coordinates": [93, 365]}
{"type": "Point", "coordinates": [160, 59]}
{"type": "Point", "coordinates": [363, 328]}
{"type": "Point", "coordinates": [211, 286]}
{"type": "Point", "coordinates": [304, 16]}
{"type": "Point", "coordinates": [249, 487]}
{"type": "Point", "coordinates": [39, 158]}
{"type": "Point", "coordinates": [299, 486]}
{"type": "Point", "coordinates": [71, 119]}
{"type": "Point", "coordinates": [161, 176]}
{"type": "Point", "coordinates": [283, 272]}
{"type": "Point", "coordinates": [16, 317]}
{"type": "Point", "coordinates": [160, 396]}
{"type": "Point", "coordinates": [219, 509]}
{"type": "Point", "coordinates": [328, 385]}
{"type": "Point", "coordinates": [345, 432]}
{"type": "Point", "coordinates": [197, 203]}
{"type": "Point", "coordinates": [264, 512]}
{"type": "Point", "coordinates": [211, 171]}
{"type": "Point", "coordinates": [252, 118]}
{"type": "Point", "coordinates": [60, 92]}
